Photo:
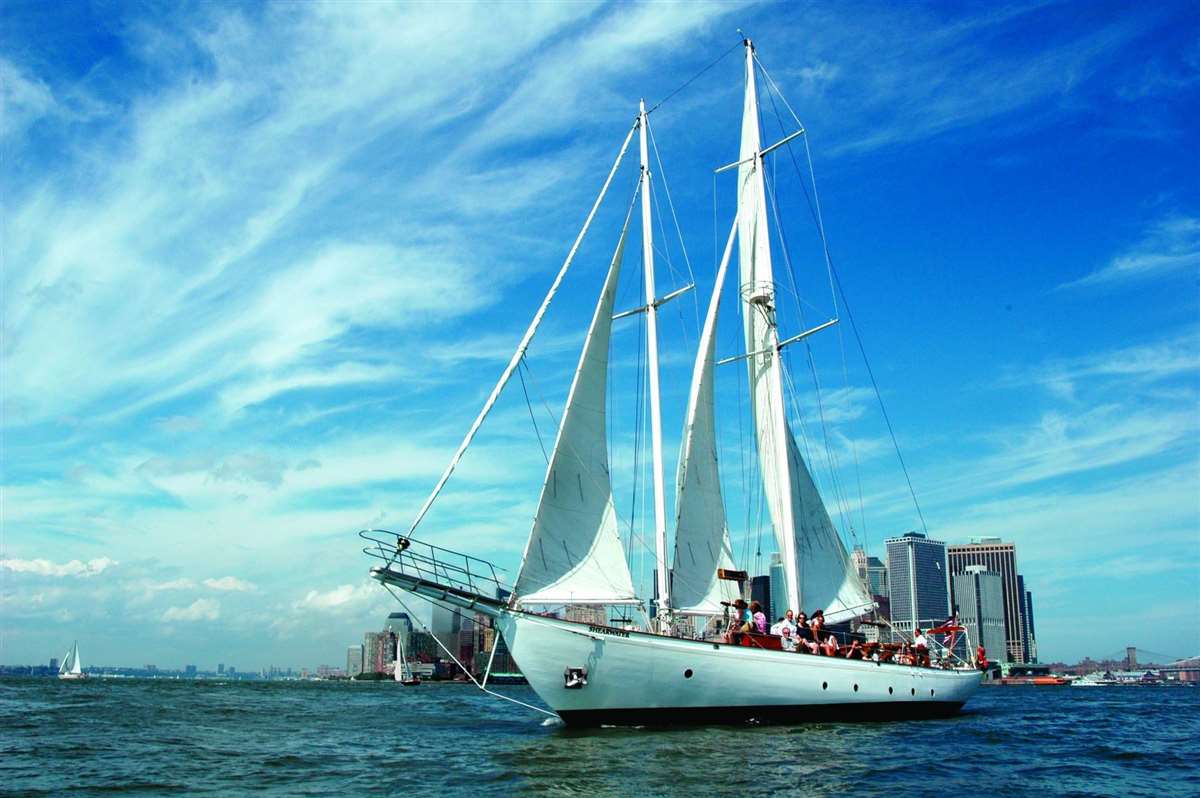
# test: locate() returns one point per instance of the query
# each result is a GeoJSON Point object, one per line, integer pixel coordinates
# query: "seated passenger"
{"type": "Point", "coordinates": [777, 627]}
{"type": "Point", "coordinates": [789, 620]}
{"type": "Point", "coordinates": [831, 646]}
{"type": "Point", "coordinates": [788, 641]}
{"type": "Point", "coordinates": [759, 619]}
{"type": "Point", "coordinates": [855, 651]}
{"type": "Point", "coordinates": [816, 625]}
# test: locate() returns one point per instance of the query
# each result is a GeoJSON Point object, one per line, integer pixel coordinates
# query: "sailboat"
{"type": "Point", "coordinates": [72, 666]}
{"type": "Point", "coordinates": [593, 673]}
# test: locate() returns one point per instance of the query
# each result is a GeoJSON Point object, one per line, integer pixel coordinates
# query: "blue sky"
{"type": "Point", "coordinates": [261, 265]}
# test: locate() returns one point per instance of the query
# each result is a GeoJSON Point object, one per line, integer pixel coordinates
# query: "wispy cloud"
{"type": "Point", "coordinates": [230, 583]}
{"type": "Point", "coordinates": [198, 610]}
{"type": "Point", "coordinates": [1171, 245]}
{"type": "Point", "coordinates": [49, 568]}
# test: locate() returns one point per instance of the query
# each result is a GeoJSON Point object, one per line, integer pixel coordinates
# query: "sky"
{"type": "Point", "coordinates": [262, 263]}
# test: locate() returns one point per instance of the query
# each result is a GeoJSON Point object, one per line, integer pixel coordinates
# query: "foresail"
{"type": "Point", "coordinates": [574, 553]}
{"type": "Point", "coordinates": [828, 580]}
{"type": "Point", "coordinates": [816, 568]}
{"type": "Point", "coordinates": [701, 535]}
{"type": "Point", "coordinates": [762, 340]}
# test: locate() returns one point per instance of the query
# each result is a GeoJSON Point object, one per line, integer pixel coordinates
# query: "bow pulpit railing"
{"type": "Point", "coordinates": [414, 561]}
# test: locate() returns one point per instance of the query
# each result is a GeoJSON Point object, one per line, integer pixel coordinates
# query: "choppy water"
{"type": "Point", "coordinates": [324, 738]}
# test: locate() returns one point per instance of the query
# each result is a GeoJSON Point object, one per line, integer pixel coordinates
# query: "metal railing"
{"type": "Point", "coordinates": [414, 558]}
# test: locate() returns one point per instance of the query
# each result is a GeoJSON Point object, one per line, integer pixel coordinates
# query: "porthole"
{"type": "Point", "coordinates": [914, 691]}
{"type": "Point", "coordinates": [890, 691]}
{"type": "Point", "coordinates": [687, 674]}
{"type": "Point", "coordinates": [931, 692]}
{"type": "Point", "coordinates": [824, 685]}
{"type": "Point", "coordinates": [856, 688]}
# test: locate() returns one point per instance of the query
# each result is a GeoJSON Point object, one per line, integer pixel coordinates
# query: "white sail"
{"type": "Point", "coordinates": [809, 547]}
{"type": "Point", "coordinates": [574, 553]}
{"type": "Point", "coordinates": [701, 535]}
{"type": "Point", "coordinates": [828, 579]}
{"type": "Point", "coordinates": [71, 663]}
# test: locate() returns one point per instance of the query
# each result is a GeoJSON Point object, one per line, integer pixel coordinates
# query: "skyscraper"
{"type": "Point", "coordinates": [779, 601]}
{"type": "Point", "coordinates": [354, 661]}
{"type": "Point", "coordinates": [760, 591]}
{"type": "Point", "coordinates": [979, 604]}
{"type": "Point", "coordinates": [872, 571]}
{"type": "Point", "coordinates": [379, 649]}
{"type": "Point", "coordinates": [446, 625]}
{"type": "Point", "coordinates": [1001, 558]}
{"type": "Point", "coordinates": [919, 585]}
{"type": "Point", "coordinates": [1031, 654]}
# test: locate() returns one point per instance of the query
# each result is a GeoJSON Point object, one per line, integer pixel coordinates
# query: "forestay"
{"type": "Point", "coordinates": [574, 553]}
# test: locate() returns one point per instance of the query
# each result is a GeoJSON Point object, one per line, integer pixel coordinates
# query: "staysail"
{"type": "Point", "coordinates": [701, 535]}
{"type": "Point", "coordinates": [574, 553]}
{"type": "Point", "coordinates": [818, 571]}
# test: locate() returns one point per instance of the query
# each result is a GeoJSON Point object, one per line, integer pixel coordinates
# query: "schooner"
{"type": "Point", "coordinates": [593, 673]}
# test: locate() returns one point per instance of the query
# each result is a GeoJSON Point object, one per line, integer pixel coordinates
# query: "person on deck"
{"type": "Point", "coordinates": [855, 651]}
{"type": "Point", "coordinates": [759, 619]}
{"type": "Point", "coordinates": [788, 640]}
{"type": "Point", "coordinates": [789, 620]}
{"type": "Point", "coordinates": [981, 660]}
{"type": "Point", "coordinates": [920, 648]}
{"type": "Point", "coordinates": [831, 646]}
{"type": "Point", "coordinates": [817, 625]}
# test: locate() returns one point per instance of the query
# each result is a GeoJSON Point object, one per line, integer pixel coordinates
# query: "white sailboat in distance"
{"type": "Point", "coordinates": [72, 666]}
{"type": "Point", "coordinates": [593, 673]}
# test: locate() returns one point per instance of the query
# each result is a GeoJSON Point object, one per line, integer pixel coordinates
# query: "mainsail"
{"type": "Point", "coordinates": [701, 535]}
{"type": "Point", "coordinates": [817, 570]}
{"type": "Point", "coordinates": [574, 553]}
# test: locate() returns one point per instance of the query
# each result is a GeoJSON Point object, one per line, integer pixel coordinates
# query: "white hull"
{"type": "Point", "coordinates": [638, 678]}
{"type": "Point", "coordinates": [72, 676]}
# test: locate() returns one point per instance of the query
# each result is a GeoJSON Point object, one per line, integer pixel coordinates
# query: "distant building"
{"type": "Point", "coordinates": [1028, 641]}
{"type": "Point", "coordinates": [872, 571]}
{"type": "Point", "coordinates": [1001, 558]}
{"type": "Point", "coordinates": [189, 671]}
{"type": "Point", "coordinates": [760, 591]}
{"type": "Point", "coordinates": [354, 661]}
{"type": "Point", "coordinates": [779, 600]}
{"type": "Point", "coordinates": [54, 664]}
{"type": "Point", "coordinates": [398, 623]}
{"type": "Point", "coordinates": [979, 604]}
{"type": "Point", "coordinates": [446, 625]}
{"type": "Point", "coordinates": [220, 668]}
{"type": "Point", "coordinates": [423, 647]}
{"type": "Point", "coordinates": [379, 651]}
{"type": "Point", "coordinates": [919, 583]}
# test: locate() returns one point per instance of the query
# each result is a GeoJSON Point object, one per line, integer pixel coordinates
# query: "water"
{"type": "Point", "coordinates": [159, 737]}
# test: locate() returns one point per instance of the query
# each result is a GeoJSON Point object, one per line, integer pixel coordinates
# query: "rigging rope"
{"type": "Point", "coordinates": [693, 78]}
{"type": "Point", "coordinates": [840, 291]}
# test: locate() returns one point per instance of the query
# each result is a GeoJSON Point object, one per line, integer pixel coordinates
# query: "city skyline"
{"type": "Point", "coordinates": [263, 262]}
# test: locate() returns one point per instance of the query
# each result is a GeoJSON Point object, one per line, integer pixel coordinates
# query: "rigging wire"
{"type": "Point", "coordinates": [839, 290]}
{"type": "Point", "coordinates": [524, 366]}
{"type": "Point", "coordinates": [693, 78]}
{"type": "Point", "coordinates": [675, 218]}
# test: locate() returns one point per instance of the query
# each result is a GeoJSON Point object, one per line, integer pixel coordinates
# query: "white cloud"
{"type": "Point", "coordinates": [198, 610]}
{"type": "Point", "coordinates": [342, 598]}
{"type": "Point", "coordinates": [1171, 244]}
{"type": "Point", "coordinates": [230, 583]}
{"type": "Point", "coordinates": [48, 568]}
{"type": "Point", "coordinates": [23, 97]}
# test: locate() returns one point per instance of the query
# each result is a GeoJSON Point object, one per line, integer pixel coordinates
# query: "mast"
{"type": "Point", "coordinates": [660, 509]}
{"type": "Point", "coordinates": [762, 337]}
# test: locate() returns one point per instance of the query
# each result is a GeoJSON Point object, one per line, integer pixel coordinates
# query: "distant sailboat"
{"type": "Point", "coordinates": [404, 672]}
{"type": "Point", "coordinates": [72, 666]}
